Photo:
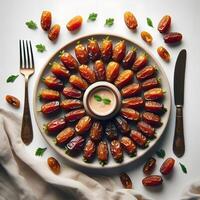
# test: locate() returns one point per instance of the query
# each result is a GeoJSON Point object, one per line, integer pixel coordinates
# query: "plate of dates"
{"type": "Point", "coordinates": [115, 140]}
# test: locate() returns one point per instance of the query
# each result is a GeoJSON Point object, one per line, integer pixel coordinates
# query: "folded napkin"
{"type": "Point", "coordinates": [26, 177]}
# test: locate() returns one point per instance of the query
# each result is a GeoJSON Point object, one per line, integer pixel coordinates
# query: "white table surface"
{"type": "Point", "coordinates": [185, 19]}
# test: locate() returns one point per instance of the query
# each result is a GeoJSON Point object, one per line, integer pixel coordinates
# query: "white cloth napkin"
{"type": "Point", "coordinates": [26, 177]}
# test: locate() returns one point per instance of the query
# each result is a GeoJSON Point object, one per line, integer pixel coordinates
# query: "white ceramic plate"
{"type": "Point", "coordinates": [77, 161]}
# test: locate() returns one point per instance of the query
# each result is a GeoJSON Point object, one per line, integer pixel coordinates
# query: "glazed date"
{"type": "Point", "coordinates": [131, 90]}
{"type": "Point", "coordinates": [116, 150]}
{"type": "Point", "coordinates": [163, 53]}
{"type": "Point", "coordinates": [112, 71]}
{"type": "Point", "coordinates": [93, 49]}
{"type": "Point", "coordinates": [126, 181]}
{"type": "Point", "coordinates": [99, 70]}
{"type": "Point", "coordinates": [129, 58]}
{"type": "Point", "coordinates": [96, 131]}
{"type": "Point", "coordinates": [122, 125]}
{"type": "Point", "coordinates": [45, 20]}
{"type": "Point", "coordinates": [74, 115]}
{"type": "Point", "coordinates": [124, 78]}
{"type": "Point", "coordinates": [130, 20]}
{"type": "Point", "coordinates": [53, 165]}
{"type": "Point", "coordinates": [111, 131]}
{"type": "Point", "coordinates": [55, 125]}
{"type": "Point", "coordinates": [13, 101]}
{"type": "Point", "coordinates": [49, 95]}
{"type": "Point", "coordinates": [150, 83]}
{"type": "Point", "coordinates": [133, 102]}
{"type": "Point", "coordinates": [149, 166]}
{"type": "Point", "coordinates": [75, 145]}
{"type": "Point", "coordinates": [128, 146]}
{"type": "Point", "coordinates": [140, 62]}
{"type": "Point", "coordinates": [89, 151]}
{"type": "Point", "coordinates": [70, 104]}
{"type": "Point", "coordinates": [119, 51]}
{"type": "Point", "coordinates": [172, 37]}
{"type": "Point", "coordinates": [81, 54]}
{"type": "Point", "coordinates": [154, 94]}
{"type": "Point", "coordinates": [51, 107]}
{"type": "Point", "coordinates": [106, 49]}
{"type": "Point", "coordinates": [83, 125]}
{"type": "Point", "coordinates": [155, 107]}
{"type": "Point", "coordinates": [151, 119]}
{"type": "Point", "coordinates": [130, 114]}
{"type": "Point", "coordinates": [65, 135]}
{"type": "Point", "coordinates": [145, 73]}
{"type": "Point", "coordinates": [146, 37]}
{"type": "Point", "coordinates": [167, 166]}
{"type": "Point", "coordinates": [164, 24]}
{"type": "Point", "coordinates": [87, 73]}
{"type": "Point", "coordinates": [60, 71]}
{"type": "Point", "coordinates": [78, 82]}
{"type": "Point", "coordinates": [74, 23]}
{"type": "Point", "coordinates": [139, 139]}
{"type": "Point", "coordinates": [71, 92]}
{"type": "Point", "coordinates": [152, 180]}
{"type": "Point", "coordinates": [53, 82]}
{"type": "Point", "coordinates": [54, 32]}
{"type": "Point", "coordinates": [102, 152]}
{"type": "Point", "coordinates": [69, 61]}
{"type": "Point", "coordinates": [145, 128]}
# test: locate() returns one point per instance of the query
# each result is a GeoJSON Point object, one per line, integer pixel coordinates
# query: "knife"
{"type": "Point", "coordinates": [179, 78]}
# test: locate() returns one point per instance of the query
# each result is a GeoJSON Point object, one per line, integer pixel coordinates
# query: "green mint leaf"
{"type": "Point", "coordinates": [149, 22]}
{"type": "Point", "coordinates": [31, 24]}
{"type": "Point", "coordinates": [106, 101]}
{"type": "Point", "coordinates": [97, 97]}
{"type": "Point", "coordinates": [92, 17]}
{"type": "Point", "coordinates": [40, 48]}
{"type": "Point", "coordinates": [160, 153]}
{"type": "Point", "coordinates": [40, 151]}
{"type": "Point", "coordinates": [183, 168]}
{"type": "Point", "coordinates": [109, 22]}
{"type": "Point", "coordinates": [11, 78]}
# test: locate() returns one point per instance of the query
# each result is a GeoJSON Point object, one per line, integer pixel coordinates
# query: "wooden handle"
{"type": "Point", "coordinates": [179, 143]}
{"type": "Point", "coordinates": [27, 130]}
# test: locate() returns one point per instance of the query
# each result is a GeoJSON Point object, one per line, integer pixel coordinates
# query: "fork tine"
{"type": "Point", "coordinates": [24, 53]}
{"type": "Point", "coordinates": [32, 59]}
{"type": "Point", "coordinates": [27, 51]}
{"type": "Point", "coordinates": [20, 53]}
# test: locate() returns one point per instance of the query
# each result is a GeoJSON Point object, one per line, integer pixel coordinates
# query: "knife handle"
{"type": "Point", "coordinates": [179, 143]}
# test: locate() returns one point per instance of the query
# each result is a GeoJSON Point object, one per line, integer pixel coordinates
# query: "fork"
{"type": "Point", "coordinates": [26, 69]}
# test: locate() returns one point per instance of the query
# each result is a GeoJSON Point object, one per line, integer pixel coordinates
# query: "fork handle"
{"type": "Point", "coordinates": [27, 130]}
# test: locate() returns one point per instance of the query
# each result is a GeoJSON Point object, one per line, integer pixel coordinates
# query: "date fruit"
{"type": "Point", "coordinates": [54, 165]}
{"type": "Point", "coordinates": [155, 107]}
{"type": "Point", "coordinates": [163, 53]}
{"type": "Point", "coordinates": [149, 166]}
{"type": "Point", "coordinates": [74, 115]}
{"type": "Point", "coordinates": [167, 166]}
{"type": "Point", "coordinates": [56, 125]}
{"type": "Point", "coordinates": [13, 101]}
{"type": "Point", "coordinates": [60, 71]}
{"type": "Point", "coordinates": [53, 83]}
{"type": "Point", "coordinates": [152, 180]}
{"type": "Point", "coordinates": [146, 37]}
{"type": "Point", "coordinates": [119, 51]}
{"type": "Point", "coordinates": [83, 125]}
{"type": "Point", "coordinates": [71, 92]}
{"type": "Point", "coordinates": [54, 32]}
{"type": "Point", "coordinates": [81, 54]}
{"type": "Point", "coordinates": [75, 23]}
{"type": "Point", "coordinates": [131, 90]}
{"type": "Point", "coordinates": [45, 20]}
{"type": "Point", "coordinates": [139, 139]}
{"type": "Point", "coordinates": [89, 151]}
{"type": "Point", "coordinates": [122, 125]}
{"type": "Point", "coordinates": [96, 131]}
{"type": "Point", "coordinates": [130, 20]}
{"type": "Point", "coordinates": [146, 72]}
{"type": "Point", "coordinates": [94, 52]}
{"type": "Point", "coordinates": [87, 73]}
{"type": "Point", "coordinates": [145, 128]}
{"type": "Point", "coordinates": [126, 181]}
{"type": "Point", "coordinates": [106, 49]}
{"type": "Point", "coordinates": [69, 61]}
{"type": "Point", "coordinates": [164, 24]}
{"type": "Point", "coordinates": [111, 131]}
{"type": "Point", "coordinates": [75, 145]}
{"type": "Point", "coordinates": [99, 70]}
{"type": "Point", "coordinates": [102, 152]}
{"type": "Point", "coordinates": [150, 83]}
{"type": "Point", "coordinates": [130, 114]}
{"type": "Point", "coordinates": [51, 107]}
{"type": "Point", "coordinates": [70, 104]}
{"type": "Point", "coordinates": [133, 102]}
{"type": "Point", "coordinates": [140, 62]}
{"type": "Point", "coordinates": [49, 95]}
{"type": "Point", "coordinates": [116, 150]}
{"type": "Point", "coordinates": [154, 94]}
{"type": "Point", "coordinates": [78, 82]}
{"type": "Point", "coordinates": [65, 135]}
{"type": "Point", "coordinates": [151, 119]}
{"type": "Point", "coordinates": [124, 78]}
{"type": "Point", "coordinates": [172, 37]}
{"type": "Point", "coordinates": [129, 58]}
{"type": "Point", "coordinates": [128, 146]}
{"type": "Point", "coordinates": [112, 71]}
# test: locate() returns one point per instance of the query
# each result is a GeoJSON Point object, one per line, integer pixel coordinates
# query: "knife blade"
{"type": "Point", "coordinates": [179, 79]}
